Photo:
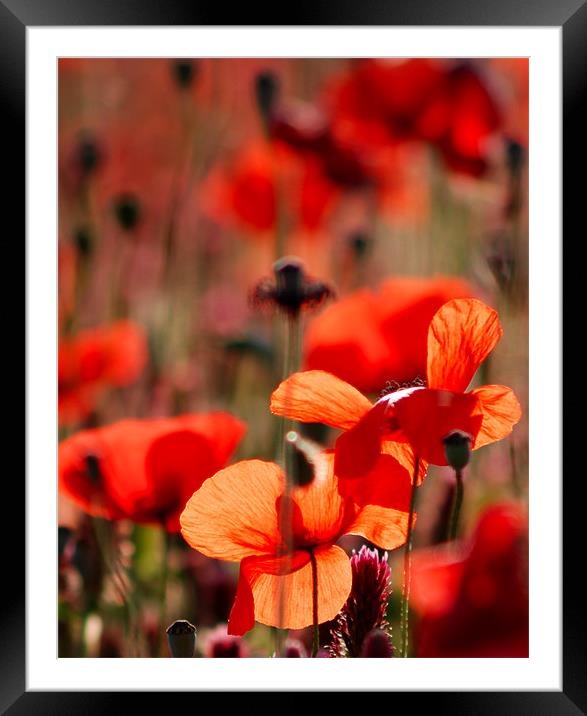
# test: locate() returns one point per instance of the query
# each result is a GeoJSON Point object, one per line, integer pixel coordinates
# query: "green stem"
{"type": "Point", "coordinates": [163, 591]}
{"type": "Point", "coordinates": [405, 606]}
{"type": "Point", "coordinates": [316, 631]}
{"type": "Point", "coordinates": [286, 457]}
{"type": "Point", "coordinates": [456, 506]}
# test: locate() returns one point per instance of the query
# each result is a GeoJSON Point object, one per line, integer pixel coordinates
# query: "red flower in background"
{"type": "Point", "coordinates": [474, 603]}
{"type": "Point", "coordinates": [146, 470]}
{"type": "Point", "coordinates": [236, 516]}
{"type": "Point", "coordinates": [370, 338]}
{"type": "Point", "coordinates": [248, 189]}
{"type": "Point", "coordinates": [448, 105]}
{"type": "Point", "coordinates": [95, 359]}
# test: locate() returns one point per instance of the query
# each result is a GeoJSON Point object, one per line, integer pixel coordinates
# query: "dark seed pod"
{"type": "Point", "coordinates": [181, 637]}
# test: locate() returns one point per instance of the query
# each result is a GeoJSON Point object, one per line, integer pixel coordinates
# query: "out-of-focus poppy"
{"type": "Point", "coordinates": [237, 515]}
{"type": "Point", "coordinates": [94, 359]}
{"type": "Point", "coordinates": [261, 181]}
{"type": "Point", "coordinates": [461, 335]}
{"type": "Point", "coordinates": [461, 118]}
{"type": "Point", "coordinates": [307, 128]}
{"type": "Point", "coordinates": [145, 470]}
{"type": "Point", "coordinates": [370, 338]}
{"type": "Point", "coordinates": [473, 602]}
{"type": "Point", "coordinates": [449, 105]}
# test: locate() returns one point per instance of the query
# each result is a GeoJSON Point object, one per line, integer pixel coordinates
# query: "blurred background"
{"type": "Point", "coordinates": [399, 184]}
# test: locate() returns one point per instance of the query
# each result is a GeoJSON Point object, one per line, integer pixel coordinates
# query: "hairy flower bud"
{"type": "Point", "coordinates": [127, 211]}
{"type": "Point", "coordinates": [365, 609]}
{"type": "Point", "coordinates": [377, 645]}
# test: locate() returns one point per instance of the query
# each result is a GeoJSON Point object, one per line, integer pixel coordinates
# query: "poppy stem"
{"type": "Point", "coordinates": [287, 457]}
{"type": "Point", "coordinates": [453, 522]}
{"type": "Point", "coordinates": [405, 606]}
{"type": "Point", "coordinates": [316, 631]}
{"type": "Point", "coordinates": [163, 590]}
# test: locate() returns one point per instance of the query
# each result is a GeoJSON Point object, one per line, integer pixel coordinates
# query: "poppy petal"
{"type": "Point", "coordinates": [404, 454]}
{"type": "Point", "coordinates": [461, 335]}
{"type": "Point", "coordinates": [233, 515]}
{"type": "Point", "coordinates": [267, 584]}
{"type": "Point", "coordinates": [501, 411]}
{"type": "Point", "coordinates": [320, 510]}
{"type": "Point", "coordinates": [242, 614]}
{"type": "Point", "coordinates": [427, 416]}
{"type": "Point", "coordinates": [383, 499]}
{"type": "Point", "coordinates": [314, 396]}
{"type": "Point", "coordinates": [357, 450]}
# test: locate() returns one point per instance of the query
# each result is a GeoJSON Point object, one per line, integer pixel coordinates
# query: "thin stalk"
{"type": "Point", "coordinates": [163, 591]}
{"type": "Point", "coordinates": [316, 631]}
{"type": "Point", "coordinates": [286, 460]}
{"type": "Point", "coordinates": [453, 522]}
{"type": "Point", "coordinates": [405, 606]}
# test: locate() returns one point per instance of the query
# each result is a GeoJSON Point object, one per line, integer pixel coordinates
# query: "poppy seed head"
{"type": "Point", "coordinates": [292, 290]}
{"type": "Point", "coordinates": [457, 448]}
{"type": "Point", "coordinates": [181, 637]}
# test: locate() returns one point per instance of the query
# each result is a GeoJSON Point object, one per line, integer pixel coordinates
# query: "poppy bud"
{"type": "Point", "coordinates": [377, 645]}
{"type": "Point", "coordinates": [88, 156]}
{"type": "Point", "coordinates": [514, 156]}
{"type": "Point", "coordinates": [266, 92]}
{"type": "Point", "coordinates": [457, 448]}
{"type": "Point", "coordinates": [184, 72]}
{"type": "Point", "coordinates": [181, 637]}
{"type": "Point", "coordinates": [83, 241]}
{"type": "Point", "coordinates": [359, 244]}
{"type": "Point", "coordinates": [93, 469]}
{"type": "Point", "coordinates": [127, 211]}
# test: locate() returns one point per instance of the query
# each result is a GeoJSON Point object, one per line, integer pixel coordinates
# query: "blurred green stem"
{"type": "Point", "coordinates": [163, 589]}
{"type": "Point", "coordinates": [286, 456]}
{"type": "Point", "coordinates": [405, 606]}
{"type": "Point", "coordinates": [453, 523]}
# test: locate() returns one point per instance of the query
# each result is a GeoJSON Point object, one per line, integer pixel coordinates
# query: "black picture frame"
{"type": "Point", "coordinates": [571, 15]}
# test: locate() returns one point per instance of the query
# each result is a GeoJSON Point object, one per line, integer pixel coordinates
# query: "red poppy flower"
{"type": "Point", "coordinates": [246, 189]}
{"type": "Point", "coordinates": [474, 603]}
{"type": "Point", "coordinates": [446, 104]}
{"type": "Point", "coordinates": [461, 335]}
{"type": "Point", "coordinates": [94, 359]}
{"type": "Point", "coordinates": [461, 118]}
{"type": "Point", "coordinates": [145, 470]}
{"type": "Point", "coordinates": [370, 338]}
{"type": "Point", "coordinates": [235, 516]}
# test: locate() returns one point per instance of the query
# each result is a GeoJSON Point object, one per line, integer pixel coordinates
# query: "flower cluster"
{"type": "Point", "coordinates": [229, 474]}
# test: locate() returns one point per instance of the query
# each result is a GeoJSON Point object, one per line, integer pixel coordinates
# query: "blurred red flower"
{"type": "Point", "coordinates": [460, 336]}
{"type": "Point", "coordinates": [260, 181]}
{"type": "Point", "coordinates": [236, 516]}
{"type": "Point", "coordinates": [449, 105]}
{"type": "Point", "coordinates": [94, 359]}
{"type": "Point", "coordinates": [145, 470]}
{"type": "Point", "coordinates": [370, 338]}
{"type": "Point", "coordinates": [474, 602]}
